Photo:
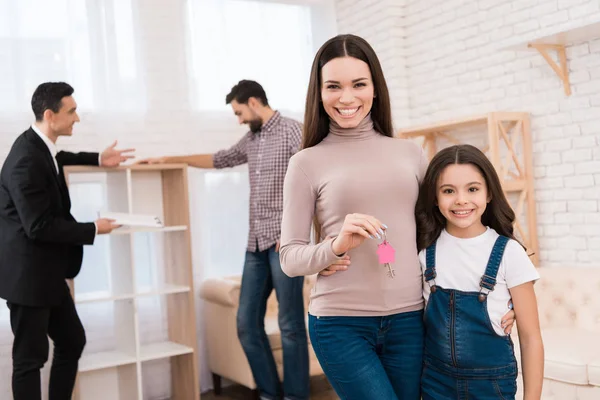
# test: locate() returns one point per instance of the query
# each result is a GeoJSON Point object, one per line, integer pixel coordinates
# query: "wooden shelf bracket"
{"type": "Point", "coordinates": [562, 71]}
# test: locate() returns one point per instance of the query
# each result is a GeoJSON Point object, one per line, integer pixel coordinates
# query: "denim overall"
{"type": "Point", "coordinates": [464, 357]}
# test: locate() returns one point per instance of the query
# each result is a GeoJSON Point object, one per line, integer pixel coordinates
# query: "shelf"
{"type": "Point", "coordinates": [108, 359]}
{"type": "Point", "coordinates": [132, 167]}
{"type": "Point", "coordinates": [160, 350]}
{"type": "Point", "coordinates": [96, 297]}
{"type": "Point", "coordinates": [130, 230]}
{"type": "Point", "coordinates": [442, 126]}
{"type": "Point", "coordinates": [154, 351]}
{"type": "Point", "coordinates": [563, 37]}
{"type": "Point", "coordinates": [557, 42]}
{"type": "Point", "coordinates": [465, 122]}
{"type": "Point", "coordinates": [164, 289]}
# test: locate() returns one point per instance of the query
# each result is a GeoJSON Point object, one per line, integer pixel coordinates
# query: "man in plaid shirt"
{"type": "Point", "coordinates": [267, 148]}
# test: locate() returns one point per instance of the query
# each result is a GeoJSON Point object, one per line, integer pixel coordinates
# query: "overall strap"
{"type": "Point", "coordinates": [488, 280]}
{"type": "Point", "coordinates": [430, 273]}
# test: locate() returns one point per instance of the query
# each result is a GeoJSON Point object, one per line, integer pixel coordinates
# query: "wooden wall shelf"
{"type": "Point", "coordinates": [557, 42]}
{"type": "Point", "coordinates": [562, 70]}
{"type": "Point", "coordinates": [505, 133]}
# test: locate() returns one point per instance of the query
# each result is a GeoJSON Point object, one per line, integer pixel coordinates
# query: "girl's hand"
{"type": "Point", "coordinates": [508, 320]}
{"type": "Point", "coordinates": [357, 228]}
{"type": "Point", "coordinates": [340, 265]}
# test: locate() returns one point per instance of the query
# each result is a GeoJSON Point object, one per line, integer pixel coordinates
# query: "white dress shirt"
{"type": "Point", "coordinates": [51, 146]}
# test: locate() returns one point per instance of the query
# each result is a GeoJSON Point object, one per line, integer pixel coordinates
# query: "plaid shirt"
{"type": "Point", "coordinates": [267, 153]}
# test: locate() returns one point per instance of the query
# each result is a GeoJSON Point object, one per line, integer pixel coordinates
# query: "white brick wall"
{"type": "Point", "coordinates": [380, 22]}
{"type": "Point", "coordinates": [449, 55]}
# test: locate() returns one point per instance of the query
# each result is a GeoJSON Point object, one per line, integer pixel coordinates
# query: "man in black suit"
{"type": "Point", "coordinates": [41, 244]}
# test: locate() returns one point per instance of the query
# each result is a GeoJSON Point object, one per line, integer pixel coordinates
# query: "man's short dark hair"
{"type": "Point", "coordinates": [246, 89]}
{"type": "Point", "coordinates": [48, 96]}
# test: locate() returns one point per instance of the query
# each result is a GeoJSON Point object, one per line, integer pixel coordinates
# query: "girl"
{"type": "Point", "coordinates": [352, 176]}
{"type": "Point", "coordinates": [472, 265]}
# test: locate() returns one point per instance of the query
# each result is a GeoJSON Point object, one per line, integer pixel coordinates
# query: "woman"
{"type": "Point", "coordinates": [365, 327]}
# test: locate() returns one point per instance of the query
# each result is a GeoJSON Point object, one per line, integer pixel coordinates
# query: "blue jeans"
{"type": "Point", "coordinates": [371, 357]}
{"type": "Point", "coordinates": [441, 385]}
{"type": "Point", "coordinates": [262, 273]}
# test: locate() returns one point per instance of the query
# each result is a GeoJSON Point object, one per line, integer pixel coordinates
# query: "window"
{"type": "Point", "coordinates": [268, 42]}
{"type": "Point", "coordinates": [90, 45]}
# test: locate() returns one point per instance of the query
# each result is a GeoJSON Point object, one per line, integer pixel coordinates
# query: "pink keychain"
{"type": "Point", "coordinates": [386, 254]}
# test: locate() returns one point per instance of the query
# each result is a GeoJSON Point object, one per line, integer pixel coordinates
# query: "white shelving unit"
{"type": "Point", "coordinates": [144, 265]}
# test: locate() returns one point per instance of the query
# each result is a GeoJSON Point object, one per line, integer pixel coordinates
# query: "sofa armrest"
{"type": "Point", "coordinates": [223, 291]}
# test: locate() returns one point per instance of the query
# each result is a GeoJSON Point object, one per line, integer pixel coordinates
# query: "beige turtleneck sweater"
{"type": "Point", "coordinates": [354, 171]}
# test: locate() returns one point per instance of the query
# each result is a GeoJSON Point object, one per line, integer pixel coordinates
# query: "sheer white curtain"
{"type": "Point", "coordinates": [72, 40]}
{"type": "Point", "coordinates": [91, 45]}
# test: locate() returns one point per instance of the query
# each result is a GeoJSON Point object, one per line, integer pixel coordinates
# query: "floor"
{"type": "Point", "coordinates": [319, 390]}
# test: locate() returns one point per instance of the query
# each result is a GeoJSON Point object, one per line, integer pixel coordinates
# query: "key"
{"type": "Point", "coordinates": [391, 271]}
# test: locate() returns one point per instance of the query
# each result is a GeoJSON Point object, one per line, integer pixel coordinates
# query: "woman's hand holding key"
{"type": "Point", "coordinates": [357, 228]}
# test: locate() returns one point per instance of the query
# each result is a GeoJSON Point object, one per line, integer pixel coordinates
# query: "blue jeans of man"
{"type": "Point", "coordinates": [366, 358]}
{"type": "Point", "coordinates": [262, 273]}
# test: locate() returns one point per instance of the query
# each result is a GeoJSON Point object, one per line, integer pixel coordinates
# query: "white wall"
{"type": "Point", "coordinates": [323, 22]}
{"type": "Point", "coordinates": [381, 23]}
{"type": "Point", "coordinates": [449, 52]}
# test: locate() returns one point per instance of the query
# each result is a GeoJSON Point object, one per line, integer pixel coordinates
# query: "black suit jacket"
{"type": "Point", "coordinates": [41, 244]}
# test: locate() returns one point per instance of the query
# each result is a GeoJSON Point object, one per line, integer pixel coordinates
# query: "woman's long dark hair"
{"type": "Point", "coordinates": [430, 222]}
{"type": "Point", "coordinates": [316, 120]}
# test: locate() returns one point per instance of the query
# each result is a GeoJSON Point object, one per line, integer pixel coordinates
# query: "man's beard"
{"type": "Point", "coordinates": [255, 125]}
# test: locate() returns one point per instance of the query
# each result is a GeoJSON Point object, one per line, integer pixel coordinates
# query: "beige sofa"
{"type": "Point", "coordinates": [225, 355]}
{"type": "Point", "coordinates": [569, 307]}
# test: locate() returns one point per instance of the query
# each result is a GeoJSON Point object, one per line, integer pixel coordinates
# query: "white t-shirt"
{"type": "Point", "coordinates": [460, 264]}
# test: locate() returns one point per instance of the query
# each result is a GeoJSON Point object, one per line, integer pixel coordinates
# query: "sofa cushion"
{"type": "Point", "coordinates": [594, 372]}
{"type": "Point", "coordinates": [273, 333]}
{"type": "Point", "coordinates": [567, 354]}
